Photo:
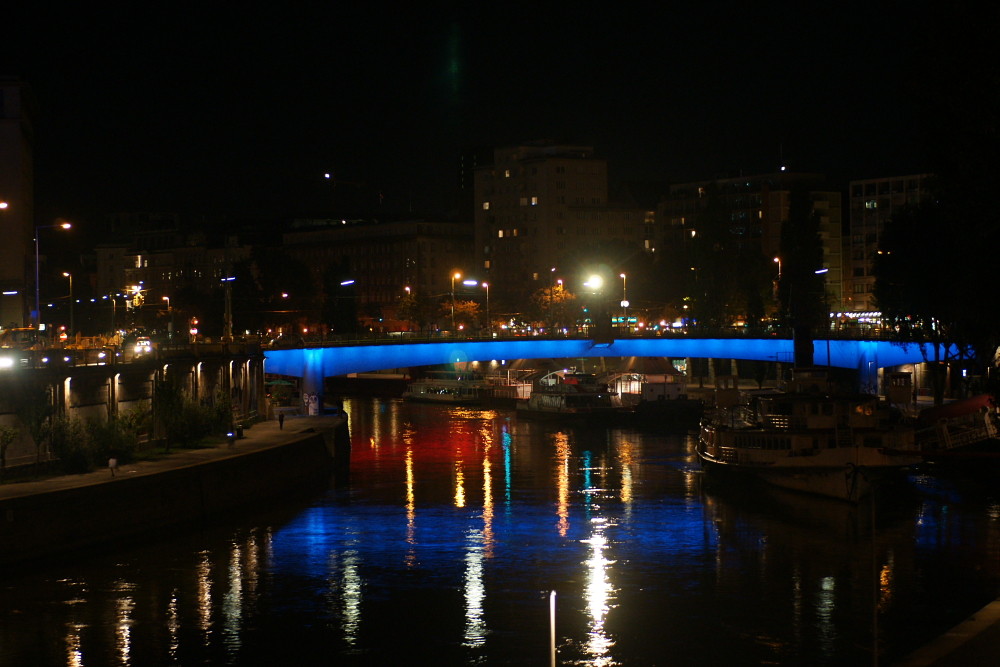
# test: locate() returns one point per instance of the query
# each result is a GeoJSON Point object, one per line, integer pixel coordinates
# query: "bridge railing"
{"type": "Point", "coordinates": [409, 337]}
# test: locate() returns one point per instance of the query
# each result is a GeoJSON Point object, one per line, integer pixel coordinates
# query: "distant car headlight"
{"type": "Point", "coordinates": [6, 362]}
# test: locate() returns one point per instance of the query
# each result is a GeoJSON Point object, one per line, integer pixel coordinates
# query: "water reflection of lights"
{"type": "Point", "coordinates": [74, 654]}
{"type": "Point", "coordinates": [826, 605]}
{"type": "Point", "coordinates": [124, 608]}
{"type": "Point", "coordinates": [203, 575]}
{"type": "Point", "coordinates": [475, 591]}
{"type": "Point", "coordinates": [232, 602]}
{"type": "Point", "coordinates": [599, 593]}
{"type": "Point", "coordinates": [562, 481]}
{"type": "Point", "coordinates": [885, 577]}
{"type": "Point", "coordinates": [411, 511]}
{"type": "Point", "coordinates": [459, 484]}
{"type": "Point", "coordinates": [350, 597]}
{"type": "Point", "coordinates": [626, 458]}
{"type": "Point", "coordinates": [173, 626]}
{"type": "Point", "coordinates": [488, 538]}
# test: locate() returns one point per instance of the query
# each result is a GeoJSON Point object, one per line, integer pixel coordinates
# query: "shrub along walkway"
{"type": "Point", "coordinates": [261, 436]}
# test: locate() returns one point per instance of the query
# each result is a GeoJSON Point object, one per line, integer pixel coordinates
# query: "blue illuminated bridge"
{"type": "Point", "coordinates": [312, 364]}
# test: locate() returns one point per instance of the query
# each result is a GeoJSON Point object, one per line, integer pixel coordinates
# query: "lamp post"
{"type": "Point", "coordinates": [170, 314]}
{"type": "Point", "coordinates": [455, 276]}
{"type": "Point", "coordinates": [38, 311]}
{"type": "Point", "coordinates": [227, 330]}
{"type": "Point", "coordinates": [489, 322]}
{"type": "Point", "coordinates": [67, 274]}
{"type": "Point", "coordinates": [624, 303]}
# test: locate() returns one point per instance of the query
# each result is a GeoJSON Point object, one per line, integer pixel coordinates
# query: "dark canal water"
{"type": "Point", "coordinates": [457, 526]}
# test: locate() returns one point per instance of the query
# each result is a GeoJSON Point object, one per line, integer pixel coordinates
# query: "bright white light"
{"type": "Point", "coordinates": [6, 362]}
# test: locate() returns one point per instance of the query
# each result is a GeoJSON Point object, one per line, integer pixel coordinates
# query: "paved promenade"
{"type": "Point", "coordinates": [261, 436]}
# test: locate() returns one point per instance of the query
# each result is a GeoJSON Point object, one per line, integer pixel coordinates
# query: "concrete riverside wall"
{"type": "Point", "coordinates": [67, 520]}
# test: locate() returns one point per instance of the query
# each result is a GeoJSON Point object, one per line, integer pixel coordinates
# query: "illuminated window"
{"type": "Point", "coordinates": [486, 206]}
{"type": "Point", "coordinates": [534, 201]}
{"type": "Point", "coordinates": [871, 203]}
{"type": "Point", "coordinates": [499, 233]}
{"type": "Point", "coordinates": [506, 173]}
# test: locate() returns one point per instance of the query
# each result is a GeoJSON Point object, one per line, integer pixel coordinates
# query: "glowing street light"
{"type": "Point", "coordinates": [489, 324]}
{"type": "Point", "coordinates": [38, 312]}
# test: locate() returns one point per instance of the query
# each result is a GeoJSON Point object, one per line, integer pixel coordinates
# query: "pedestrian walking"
{"type": "Point", "coordinates": [113, 465]}
{"type": "Point", "coordinates": [281, 420]}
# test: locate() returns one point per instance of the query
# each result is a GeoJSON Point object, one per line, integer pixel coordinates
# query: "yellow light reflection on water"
{"type": "Point", "coordinates": [74, 654]}
{"type": "Point", "coordinates": [562, 481]}
{"type": "Point", "coordinates": [488, 538]}
{"type": "Point", "coordinates": [411, 510]}
{"type": "Point", "coordinates": [203, 576]}
{"type": "Point", "coordinates": [459, 484]}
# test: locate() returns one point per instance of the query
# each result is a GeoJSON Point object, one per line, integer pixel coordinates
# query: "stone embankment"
{"type": "Point", "coordinates": [59, 516]}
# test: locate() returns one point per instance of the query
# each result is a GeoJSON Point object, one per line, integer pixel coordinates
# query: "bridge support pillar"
{"type": "Point", "coordinates": [312, 382]}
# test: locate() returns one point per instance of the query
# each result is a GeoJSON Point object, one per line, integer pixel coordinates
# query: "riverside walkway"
{"type": "Point", "coordinates": [263, 435]}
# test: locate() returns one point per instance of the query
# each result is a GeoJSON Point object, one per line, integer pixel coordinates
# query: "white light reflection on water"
{"type": "Point", "coordinates": [826, 606]}
{"type": "Point", "coordinates": [350, 596]}
{"type": "Point", "coordinates": [173, 626]}
{"type": "Point", "coordinates": [124, 608]}
{"type": "Point", "coordinates": [232, 602]}
{"type": "Point", "coordinates": [599, 593]}
{"type": "Point", "coordinates": [474, 590]}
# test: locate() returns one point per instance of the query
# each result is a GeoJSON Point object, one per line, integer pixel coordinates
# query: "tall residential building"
{"type": "Point", "coordinates": [755, 208]}
{"type": "Point", "coordinates": [17, 266]}
{"type": "Point", "coordinates": [873, 202]}
{"type": "Point", "coordinates": [384, 258]}
{"type": "Point", "coordinates": [538, 206]}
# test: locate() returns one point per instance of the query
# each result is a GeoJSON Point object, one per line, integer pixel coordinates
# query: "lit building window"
{"type": "Point", "coordinates": [499, 233]}
{"type": "Point", "coordinates": [486, 206]}
{"type": "Point", "coordinates": [506, 173]}
{"type": "Point", "coordinates": [871, 203]}
{"type": "Point", "coordinates": [534, 201]}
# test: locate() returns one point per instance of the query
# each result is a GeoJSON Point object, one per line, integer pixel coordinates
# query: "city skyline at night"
{"type": "Point", "coordinates": [240, 114]}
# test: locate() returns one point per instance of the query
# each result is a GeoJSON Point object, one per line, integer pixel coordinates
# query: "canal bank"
{"type": "Point", "coordinates": [47, 518]}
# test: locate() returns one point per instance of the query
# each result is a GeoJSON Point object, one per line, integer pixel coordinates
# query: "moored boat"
{"type": "Point", "coordinates": [572, 394]}
{"type": "Point", "coordinates": [451, 387]}
{"type": "Point", "coordinates": [810, 439]}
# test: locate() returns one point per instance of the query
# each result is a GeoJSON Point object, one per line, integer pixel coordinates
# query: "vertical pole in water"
{"type": "Point", "coordinates": [552, 628]}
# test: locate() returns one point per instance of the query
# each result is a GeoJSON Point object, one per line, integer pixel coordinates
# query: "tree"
{"type": "Point", "coordinates": [801, 290]}
{"type": "Point", "coordinates": [937, 260]}
{"type": "Point", "coordinates": [7, 436]}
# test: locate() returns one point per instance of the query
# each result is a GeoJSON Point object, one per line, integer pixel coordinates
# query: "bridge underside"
{"type": "Point", "coordinates": [313, 364]}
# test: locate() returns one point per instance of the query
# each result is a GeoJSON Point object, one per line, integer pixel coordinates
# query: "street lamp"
{"type": "Point", "coordinates": [38, 311]}
{"type": "Point", "coordinates": [489, 323]}
{"type": "Point", "coordinates": [170, 313]}
{"type": "Point", "coordinates": [455, 276]}
{"type": "Point", "coordinates": [227, 330]}
{"type": "Point", "coordinates": [624, 302]}
{"type": "Point", "coordinates": [67, 274]}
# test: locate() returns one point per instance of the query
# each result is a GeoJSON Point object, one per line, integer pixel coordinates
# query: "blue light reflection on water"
{"type": "Point", "coordinates": [456, 526]}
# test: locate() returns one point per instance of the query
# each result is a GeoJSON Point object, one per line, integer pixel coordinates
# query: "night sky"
{"type": "Point", "coordinates": [239, 108]}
